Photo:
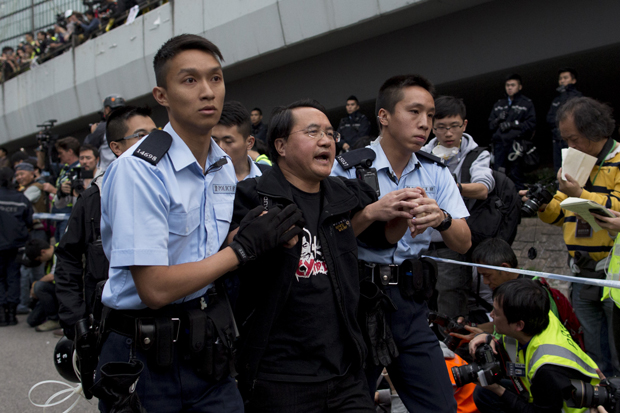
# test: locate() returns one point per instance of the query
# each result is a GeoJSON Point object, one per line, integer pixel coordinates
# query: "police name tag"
{"type": "Point", "coordinates": [515, 369]}
{"type": "Point", "coordinates": [224, 188]}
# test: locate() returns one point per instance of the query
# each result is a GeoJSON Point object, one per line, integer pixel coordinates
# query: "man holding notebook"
{"type": "Point", "coordinates": [586, 125]}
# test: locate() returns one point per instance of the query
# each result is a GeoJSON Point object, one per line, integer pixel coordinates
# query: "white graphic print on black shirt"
{"type": "Point", "coordinates": [311, 261]}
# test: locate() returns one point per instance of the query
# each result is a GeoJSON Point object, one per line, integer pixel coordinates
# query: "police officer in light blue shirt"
{"type": "Point", "coordinates": [232, 134]}
{"type": "Point", "coordinates": [166, 210]}
{"type": "Point", "coordinates": [405, 109]}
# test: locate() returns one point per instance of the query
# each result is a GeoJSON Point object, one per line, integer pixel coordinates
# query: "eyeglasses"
{"type": "Point", "coordinates": [447, 128]}
{"type": "Point", "coordinates": [316, 133]}
{"type": "Point", "coordinates": [141, 134]}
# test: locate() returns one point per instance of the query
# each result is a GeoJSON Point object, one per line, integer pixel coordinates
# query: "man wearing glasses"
{"type": "Point", "coordinates": [453, 145]}
{"type": "Point", "coordinates": [301, 346]}
{"type": "Point", "coordinates": [124, 127]}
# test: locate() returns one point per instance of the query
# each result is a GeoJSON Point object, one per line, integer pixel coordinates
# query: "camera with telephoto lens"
{"type": "Point", "coordinates": [537, 195]}
{"type": "Point", "coordinates": [606, 394]}
{"type": "Point", "coordinates": [447, 325]}
{"type": "Point", "coordinates": [485, 370]}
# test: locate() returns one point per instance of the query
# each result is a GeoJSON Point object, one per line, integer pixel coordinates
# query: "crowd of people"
{"type": "Point", "coordinates": [72, 28]}
{"type": "Point", "coordinates": [229, 265]}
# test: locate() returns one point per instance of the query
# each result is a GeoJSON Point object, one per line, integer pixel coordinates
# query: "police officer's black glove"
{"type": "Point", "coordinates": [260, 233]}
{"type": "Point", "coordinates": [375, 304]}
{"type": "Point", "coordinates": [504, 126]}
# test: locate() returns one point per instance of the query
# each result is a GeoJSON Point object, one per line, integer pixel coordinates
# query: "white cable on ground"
{"type": "Point", "coordinates": [580, 280]}
{"type": "Point", "coordinates": [72, 390]}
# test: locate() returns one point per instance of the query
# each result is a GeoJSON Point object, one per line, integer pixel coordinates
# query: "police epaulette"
{"type": "Point", "coordinates": [154, 147]}
{"type": "Point", "coordinates": [430, 157]}
{"type": "Point", "coordinates": [357, 157]}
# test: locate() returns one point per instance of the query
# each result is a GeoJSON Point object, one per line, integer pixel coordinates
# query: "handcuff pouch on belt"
{"type": "Point", "coordinates": [417, 279]}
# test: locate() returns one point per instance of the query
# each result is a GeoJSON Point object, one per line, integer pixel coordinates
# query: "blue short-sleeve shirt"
{"type": "Point", "coordinates": [254, 170]}
{"type": "Point", "coordinates": [164, 214]}
{"type": "Point", "coordinates": [438, 183]}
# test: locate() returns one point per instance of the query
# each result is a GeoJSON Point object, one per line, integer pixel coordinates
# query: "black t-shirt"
{"type": "Point", "coordinates": [306, 343]}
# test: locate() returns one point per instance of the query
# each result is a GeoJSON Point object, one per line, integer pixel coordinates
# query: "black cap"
{"type": "Point", "coordinates": [114, 101]}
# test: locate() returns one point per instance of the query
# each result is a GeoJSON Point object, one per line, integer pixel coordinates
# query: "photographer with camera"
{"type": "Point", "coordinates": [586, 125]}
{"type": "Point", "coordinates": [512, 119]}
{"type": "Point", "coordinates": [68, 152]}
{"type": "Point", "coordinates": [541, 351]}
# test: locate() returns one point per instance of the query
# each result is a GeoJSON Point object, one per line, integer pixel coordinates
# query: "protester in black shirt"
{"type": "Point", "coordinates": [301, 346]}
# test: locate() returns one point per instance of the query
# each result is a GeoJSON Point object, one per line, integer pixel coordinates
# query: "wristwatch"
{"type": "Point", "coordinates": [445, 224]}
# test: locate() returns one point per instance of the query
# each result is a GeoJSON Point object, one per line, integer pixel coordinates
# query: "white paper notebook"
{"type": "Point", "coordinates": [583, 208]}
{"type": "Point", "coordinates": [577, 164]}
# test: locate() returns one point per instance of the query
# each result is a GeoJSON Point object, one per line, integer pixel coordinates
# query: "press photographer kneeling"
{"type": "Point", "coordinates": [543, 355]}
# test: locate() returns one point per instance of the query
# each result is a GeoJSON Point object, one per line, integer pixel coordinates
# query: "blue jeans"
{"type": "Point", "coordinates": [596, 320]}
{"type": "Point", "coordinates": [419, 373]}
{"type": "Point", "coordinates": [28, 276]}
{"type": "Point", "coordinates": [174, 389]}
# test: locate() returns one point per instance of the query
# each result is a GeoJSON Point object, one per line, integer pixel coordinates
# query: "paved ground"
{"type": "Point", "coordinates": [27, 359]}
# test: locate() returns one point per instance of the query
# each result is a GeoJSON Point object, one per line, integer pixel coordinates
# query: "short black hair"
{"type": "Point", "coordinates": [235, 114]}
{"type": "Point", "coordinates": [282, 122]}
{"type": "Point", "coordinates": [391, 92]}
{"type": "Point", "coordinates": [514, 76]}
{"type": "Point", "coordinates": [6, 177]}
{"type": "Point", "coordinates": [43, 32]}
{"type": "Point", "coordinates": [4, 149]}
{"type": "Point", "coordinates": [69, 144]}
{"type": "Point", "coordinates": [449, 106]}
{"type": "Point", "coordinates": [34, 247]}
{"type": "Point", "coordinates": [573, 72]}
{"type": "Point", "coordinates": [18, 156]}
{"type": "Point", "coordinates": [116, 124]}
{"type": "Point", "coordinates": [593, 119]}
{"type": "Point", "coordinates": [495, 251]}
{"type": "Point", "coordinates": [7, 49]}
{"type": "Point", "coordinates": [177, 45]}
{"type": "Point", "coordinates": [260, 147]}
{"type": "Point", "coordinates": [524, 300]}
{"type": "Point", "coordinates": [258, 110]}
{"type": "Point", "coordinates": [87, 147]}
{"type": "Point", "coordinates": [31, 34]}
{"type": "Point", "coordinates": [353, 97]}
{"type": "Point", "coordinates": [90, 12]}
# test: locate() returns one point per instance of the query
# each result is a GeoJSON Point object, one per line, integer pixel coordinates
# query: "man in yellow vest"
{"type": "Point", "coordinates": [544, 355]}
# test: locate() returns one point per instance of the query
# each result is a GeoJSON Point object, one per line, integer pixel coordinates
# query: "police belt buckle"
{"type": "Point", "coordinates": [388, 274]}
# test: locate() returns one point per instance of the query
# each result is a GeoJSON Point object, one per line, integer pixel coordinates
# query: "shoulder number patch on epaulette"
{"type": "Point", "coordinates": [154, 147]}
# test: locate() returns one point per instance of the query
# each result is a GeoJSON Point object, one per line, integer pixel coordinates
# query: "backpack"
{"type": "Point", "coordinates": [499, 215]}
{"type": "Point", "coordinates": [565, 312]}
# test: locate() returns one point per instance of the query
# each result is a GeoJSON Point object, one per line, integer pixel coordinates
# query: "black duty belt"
{"type": "Point", "coordinates": [381, 274]}
{"type": "Point", "coordinates": [129, 325]}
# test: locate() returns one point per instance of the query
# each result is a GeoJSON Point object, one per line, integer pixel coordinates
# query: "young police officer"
{"type": "Point", "coordinates": [405, 109]}
{"type": "Point", "coordinates": [166, 209]}
{"type": "Point", "coordinates": [302, 349]}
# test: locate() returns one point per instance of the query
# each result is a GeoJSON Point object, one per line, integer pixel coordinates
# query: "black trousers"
{"type": "Point", "coordinates": [341, 394]}
{"type": "Point", "coordinates": [616, 327]}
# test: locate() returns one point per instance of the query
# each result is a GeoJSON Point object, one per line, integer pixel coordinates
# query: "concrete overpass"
{"type": "Point", "coordinates": [279, 51]}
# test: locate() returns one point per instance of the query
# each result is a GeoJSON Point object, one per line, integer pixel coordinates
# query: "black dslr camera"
{"type": "Point", "coordinates": [606, 394]}
{"type": "Point", "coordinates": [486, 369]}
{"type": "Point", "coordinates": [538, 195]}
{"type": "Point", "coordinates": [77, 180]}
{"type": "Point", "coordinates": [447, 325]}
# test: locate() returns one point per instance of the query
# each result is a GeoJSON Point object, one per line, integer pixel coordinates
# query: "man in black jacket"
{"type": "Point", "coordinates": [301, 345]}
{"type": "Point", "coordinates": [15, 220]}
{"type": "Point", "coordinates": [512, 120]}
{"type": "Point", "coordinates": [353, 126]}
{"type": "Point", "coordinates": [125, 127]}
{"type": "Point", "coordinates": [567, 77]}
